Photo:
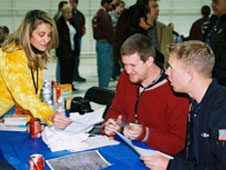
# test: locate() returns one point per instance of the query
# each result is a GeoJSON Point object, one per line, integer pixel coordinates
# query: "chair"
{"type": "Point", "coordinates": [100, 96]}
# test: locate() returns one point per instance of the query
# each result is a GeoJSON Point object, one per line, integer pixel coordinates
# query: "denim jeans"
{"type": "Point", "coordinates": [104, 62]}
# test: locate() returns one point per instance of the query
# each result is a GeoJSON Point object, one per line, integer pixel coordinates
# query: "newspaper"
{"type": "Point", "coordinates": [91, 160]}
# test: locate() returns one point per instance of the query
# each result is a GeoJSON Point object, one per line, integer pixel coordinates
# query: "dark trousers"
{"type": "Point", "coordinates": [77, 59]}
{"type": "Point", "coordinates": [67, 64]}
{"type": "Point", "coordinates": [116, 70]}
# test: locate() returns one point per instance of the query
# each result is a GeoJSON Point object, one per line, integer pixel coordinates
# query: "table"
{"type": "Point", "coordinates": [16, 148]}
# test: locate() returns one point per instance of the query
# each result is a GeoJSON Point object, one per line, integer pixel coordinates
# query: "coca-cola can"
{"type": "Point", "coordinates": [54, 83]}
{"type": "Point", "coordinates": [36, 162]}
{"type": "Point", "coordinates": [35, 128]}
{"type": "Point", "coordinates": [56, 94]}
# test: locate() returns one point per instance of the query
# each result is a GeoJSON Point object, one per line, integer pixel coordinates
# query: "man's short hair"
{"type": "Point", "coordinates": [205, 10]}
{"type": "Point", "coordinates": [61, 4]}
{"type": "Point", "coordinates": [138, 43]}
{"type": "Point", "coordinates": [5, 29]}
{"type": "Point", "coordinates": [105, 1]}
{"type": "Point", "coordinates": [194, 54]}
{"type": "Point", "coordinates": [118, 3]}
{"type": "Point", "coordinates": [144, 2]}
{"type": "Point", "coordinates": [76, 1]}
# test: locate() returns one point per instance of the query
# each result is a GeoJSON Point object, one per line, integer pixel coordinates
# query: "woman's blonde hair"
{"type": "Point", "coordinates": [21, 38]}
{"type": "Point", "coordinates": [66, 8]}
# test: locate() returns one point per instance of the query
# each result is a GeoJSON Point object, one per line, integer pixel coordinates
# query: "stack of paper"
{"type": "Point", "coordinates": [14, 124]}
{"type": "Point", "coordinates": [15, 121]}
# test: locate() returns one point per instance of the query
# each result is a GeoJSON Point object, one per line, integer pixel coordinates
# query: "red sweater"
{"type": "Point", "coordinates": [162, 114]}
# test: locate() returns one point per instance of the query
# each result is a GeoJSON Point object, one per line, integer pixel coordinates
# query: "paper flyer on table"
{"type": "Point", "coordinates": [141, 151]}
{"type": "Point", "coordinates": [91, 160]}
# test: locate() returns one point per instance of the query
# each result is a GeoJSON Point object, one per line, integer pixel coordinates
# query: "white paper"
{"type": "Point", "coordinates": [4, 127]}
{"type": "Point", "coordinates": [58, 140]}
{"type": "Point", "coordinates": [128, 142]}
{"type": "Point", "coordinates": [142, 151]}
{"type": "Point", "coordinates": [97, 141]}
{"type": "Point", "coordinates": [84, 123]}
{"type": "Point", "coordinates": [148, 152]}
{"type": "Point", "coordinates": [11, 121]}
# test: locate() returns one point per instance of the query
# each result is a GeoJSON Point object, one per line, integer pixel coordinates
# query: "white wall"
{"type": "Point", "coordinates": [181, 12]}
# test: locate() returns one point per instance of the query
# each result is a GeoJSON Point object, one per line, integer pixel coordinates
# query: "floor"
{"type": "Point", "coordinates": [88, 70]}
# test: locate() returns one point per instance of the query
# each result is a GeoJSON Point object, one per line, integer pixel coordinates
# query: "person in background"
{"type": "Point", "coordinates": [60, 6]}
{"type": "Point", "coordinates": [23, 56]}
{"type": "Point", "coordinates": [161, 36]}
{"type": "Point", "coordinates": [198, 28]}
{"type": "Point", "coordinates": [190, 70]}
{"type": "Point", "coordinates": [145, 108]}
{"type": "Point", "coordinates": [217, 40]}
{"type": "Point", "coordinates": [176, 35]}
{"type": "Point", "coordinates": [56, 17]}
{"type": "Point", "coordinates": [68, 46]}
{"type": "Point", "coordinates": [79, 19]}
{"type": "Point", "coordinates": [135, 19]}
{"type": "Point", "coordinates": [115, 14]}
{"type": "Point", "coordinates": [4, 32]}
{"type": "Point", "coordinates": [103, 34]}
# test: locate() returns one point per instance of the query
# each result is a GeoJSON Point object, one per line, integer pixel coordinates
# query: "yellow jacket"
{"type": "Point", "coordinates": [16, 86]}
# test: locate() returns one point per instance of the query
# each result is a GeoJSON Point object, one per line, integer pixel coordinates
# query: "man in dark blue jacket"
{"type": "Point", "coordinates": [190, 71]}
{"type": "Point", "coordinates": [216, 38]}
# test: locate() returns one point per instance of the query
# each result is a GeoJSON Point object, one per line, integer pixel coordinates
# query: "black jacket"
{"type": "Point", "coordinates": [64, 49]}
{"type": "Point", "coordinates": [218, 44]}
{"type": "Point", "coordinates": [212, 118]}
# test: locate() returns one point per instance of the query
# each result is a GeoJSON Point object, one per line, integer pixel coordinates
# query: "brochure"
{"type": "Point", "coordinates": [141, 151]}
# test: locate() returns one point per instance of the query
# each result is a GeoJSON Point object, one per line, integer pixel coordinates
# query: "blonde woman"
{"type": "Point", "coordinates": [68, 45]}
{"type": "Point", "coordinates": [23, 56]}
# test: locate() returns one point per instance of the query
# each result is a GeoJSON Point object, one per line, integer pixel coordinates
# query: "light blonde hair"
{"type": "Point", "coordinates": [21, 38]}
{"type": "Point", "coordinates": [66, 8]}
{"type": "Point", "coordinates": [195, 54]}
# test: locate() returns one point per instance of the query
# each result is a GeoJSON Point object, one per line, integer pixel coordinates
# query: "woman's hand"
{"type": "Point", "coordinates": [60, 120]}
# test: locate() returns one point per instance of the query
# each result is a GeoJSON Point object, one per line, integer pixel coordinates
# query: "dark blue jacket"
{"type": "Point", "coordinates": [212, 151]}
{"type": "Point", "coordinates": [218, 44]}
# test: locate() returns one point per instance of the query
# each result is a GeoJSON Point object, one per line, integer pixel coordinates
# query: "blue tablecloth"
{"type": "Point", "coordinates": [16, 148]}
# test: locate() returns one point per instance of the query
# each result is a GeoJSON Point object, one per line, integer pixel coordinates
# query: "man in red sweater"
{"type": "Point", "coordinates": [144, 101]}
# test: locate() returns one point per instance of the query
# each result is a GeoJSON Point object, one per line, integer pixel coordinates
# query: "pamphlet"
{"type": "Point", "coordinates": [91, 160]}
{"type": "Point", "coordinates": [141, 151]}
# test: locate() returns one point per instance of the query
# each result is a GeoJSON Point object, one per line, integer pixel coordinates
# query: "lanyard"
{"type": "Point", "coordinates": [192, 131]}
{"type": "Point", "coordinates": [159, 78]}
{"type": "Point", "coordinates": [33, 79]}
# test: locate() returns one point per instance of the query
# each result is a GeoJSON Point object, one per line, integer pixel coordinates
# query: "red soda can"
{"type": "Point", "coordinates": [35, 128]}
{"type": "Point", "coordinates": [56, 93]}
{"type": "Point", "coordinates": [54, 83]}
{"type": "Point", "coordinates": [36, 162]}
